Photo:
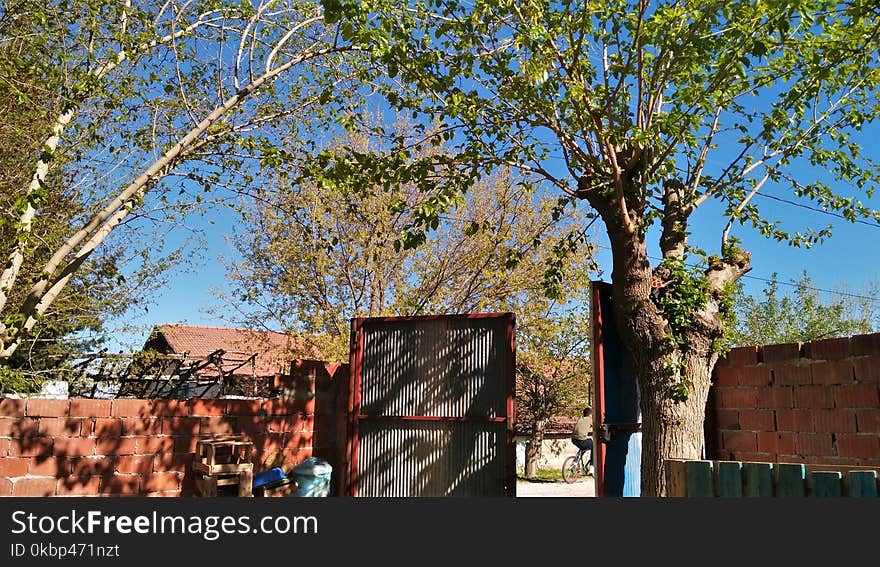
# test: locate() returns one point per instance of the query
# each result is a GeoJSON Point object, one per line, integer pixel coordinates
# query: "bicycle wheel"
{"type": "Point", "coordinates": [571, 468]}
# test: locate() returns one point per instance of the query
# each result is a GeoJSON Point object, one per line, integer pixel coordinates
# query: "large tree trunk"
{"type": "Point", "coordinates": [673, 404]}
{"type": "Point", "coordinates": [672, 428]}
{"type": "Point", "coordinates": [534, 446]}
{"type": "Point", "coordinates": [673, 373]}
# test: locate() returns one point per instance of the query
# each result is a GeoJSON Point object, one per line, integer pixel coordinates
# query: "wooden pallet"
{"type": "Point", "coordinates": [223, 461]}
{"type": "Point", "coordinates": [208, 485]}
{"type": "Point", "coordinates": [223, 455]}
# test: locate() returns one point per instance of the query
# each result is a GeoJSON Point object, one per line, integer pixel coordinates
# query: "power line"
{"type": "Point", "coordinates": [854, 295]}
{"type": "Point", "coordinates": [769, 280]}
{"type": "Point", "coordinates": [817, 209]}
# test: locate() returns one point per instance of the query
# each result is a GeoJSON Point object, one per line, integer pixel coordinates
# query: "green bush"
{"type": "Point", "coordinates": [14, 381]}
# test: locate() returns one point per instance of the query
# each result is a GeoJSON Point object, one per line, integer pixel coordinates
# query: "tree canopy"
{"type": "Point", "coordinates": [648, 111]}
{"type": "Point", "coordinates": [151, 110]}
{"type": "Point", "coordinates": [313, 257]}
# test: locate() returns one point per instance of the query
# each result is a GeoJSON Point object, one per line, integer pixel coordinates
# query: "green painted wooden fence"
{"type": "Point", "coordinates": [739, 479]}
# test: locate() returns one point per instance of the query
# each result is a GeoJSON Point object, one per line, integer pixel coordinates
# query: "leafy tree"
{"type": "Point", "coordinates": [316, 258]}
{"type": "Point", "coordinates": [648, 111]}
{"type": "Point", "coordinates": [802, 315]}
{"type": "Point", "coordinates": [152, 108]}
{"type": "Point", "coordinates": [312, 258]}
{"type": "Point", "coordinates": [98, 291]}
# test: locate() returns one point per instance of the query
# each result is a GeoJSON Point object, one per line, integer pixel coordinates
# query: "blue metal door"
{"type": "Point", "coordinates": [616, 416]}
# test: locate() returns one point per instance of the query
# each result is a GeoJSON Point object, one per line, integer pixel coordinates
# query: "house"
{"type": "Point", "coordinates": [248, 359]}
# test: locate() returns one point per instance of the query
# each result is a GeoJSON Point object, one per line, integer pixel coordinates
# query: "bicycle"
{"type": "Point", "coordinates": [574, 466]}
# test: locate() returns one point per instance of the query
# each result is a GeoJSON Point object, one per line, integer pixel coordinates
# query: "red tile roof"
{"type": "Point", "coordinates": [274, 350]}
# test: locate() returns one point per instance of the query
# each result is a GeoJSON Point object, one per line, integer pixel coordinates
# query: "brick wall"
{"type": "Point", "coordinates": [323, 388]}
{"type": "Point", "coordinates": [814, 403]}
{"type": "Point", "coordinates": [145, 447]}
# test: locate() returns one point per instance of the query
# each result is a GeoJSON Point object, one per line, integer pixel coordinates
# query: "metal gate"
{"type": "Point", "coordinates": [617, 457]}
{"type": "Point", "coordinates": [432, 406]}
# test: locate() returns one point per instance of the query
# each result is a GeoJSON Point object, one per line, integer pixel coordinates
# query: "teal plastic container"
{"type": "Point", "coordinates": [312, 477]}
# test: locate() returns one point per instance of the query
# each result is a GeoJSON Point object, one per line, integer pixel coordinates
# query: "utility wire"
{"type": "Point", "coordinates": [768, 280]}
{"type": "Point", "coordinates": [757, 278]}
{"type": "Point", "coordinates": [817, 209]}
{"type": "Point", "coordinates": [854, 295]}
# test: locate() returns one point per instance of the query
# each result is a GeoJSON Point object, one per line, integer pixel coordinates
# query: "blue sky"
{"type": "Point", "coordinates": [851, 258]}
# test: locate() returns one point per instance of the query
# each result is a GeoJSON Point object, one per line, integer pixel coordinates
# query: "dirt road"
{"type": "Point", "coordinates": [584, 487]}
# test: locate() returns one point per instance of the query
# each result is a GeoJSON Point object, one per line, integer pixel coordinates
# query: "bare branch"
{"type": "Point", "coordinates": [741, 207]}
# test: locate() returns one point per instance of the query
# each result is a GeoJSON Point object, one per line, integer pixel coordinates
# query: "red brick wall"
{"type": "Point", "coordinates": [815, 403]}
{"type": "Point", "coordinates": [145, 447]}
{"type": "Point", "coordinates": [324, 389]}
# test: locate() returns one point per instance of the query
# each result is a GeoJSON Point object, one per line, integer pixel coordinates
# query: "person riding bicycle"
{"type": "Point", "coordinates": [582, 434]}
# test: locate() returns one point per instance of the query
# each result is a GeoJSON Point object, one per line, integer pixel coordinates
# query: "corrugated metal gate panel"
{"type": "Point", "coordinates": [442, 367]}
{"type": "Point", "coordinates": [433, 406]}
{"type": "Point", "coordinates": [432, 458]}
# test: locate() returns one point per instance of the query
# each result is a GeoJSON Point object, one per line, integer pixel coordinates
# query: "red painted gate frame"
{"type": "Point", "coordinates": [598, 363]}
{"type": "Point", "coordinates": [349, 481]}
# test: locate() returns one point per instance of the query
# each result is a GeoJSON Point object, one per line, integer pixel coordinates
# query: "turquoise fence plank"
{"type": "Point", "coordinates": [862, 483]}
{"type": "Point", "coordinates": [699, 478]}
{"type": "Point", "coordinates": [676, 481]}
{"type": "Point", "coordinates": [759, 479]}
{"type": "Point", "coordinates": [827, 484]}
{"type": "Point", "coordinates": [791, 480]}
{"type": "Point", "coordinates": [730, 479]}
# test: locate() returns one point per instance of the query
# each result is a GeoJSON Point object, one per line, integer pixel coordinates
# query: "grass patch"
{"type": "Point", "coordinates": [543, 475]}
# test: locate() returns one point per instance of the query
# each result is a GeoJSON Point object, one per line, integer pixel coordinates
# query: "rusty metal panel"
{"type": "Point", "coordinates": [435, 367]}
{"type": "Point", "coordinates": [431, 406]}
{"type": "Point", "coordinates": [414, 458]}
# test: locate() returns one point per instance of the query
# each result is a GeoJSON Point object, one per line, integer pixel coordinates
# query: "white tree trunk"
{"type": "Point", "coordinates": [534, 447]}
{"type": "Point", "coordinates": [56, 274]}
